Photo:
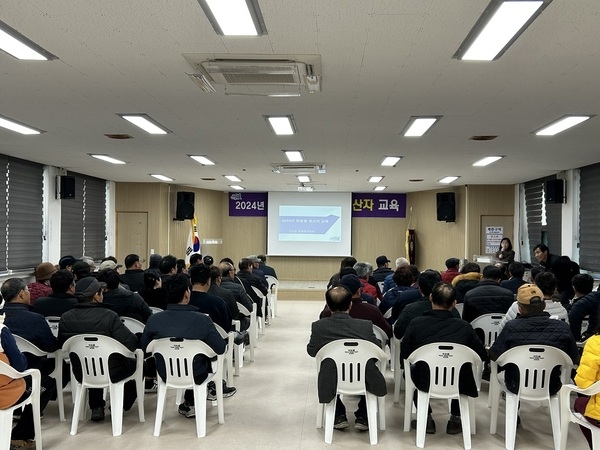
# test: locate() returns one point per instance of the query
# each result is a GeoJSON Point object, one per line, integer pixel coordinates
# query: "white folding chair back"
{"type": "Point", "coordinates": [398, 372]}
{"type": "Point", "coordinates": [178, 355]}
{"type": "Point", "coordinates": [568, 415]}
{"type": "Point", "coordinates": [261, 320]}
{"type": "Point", "coordinates": [490, 325]}
{"type": "Point", "coordinates": [252, 330]}
{"type": "Point", "coordinates": [6, 415]}
{"type": "Point", "coordinates": [445, 360]}
{"type": "Point", "coordinates": [273, 290]}
{"type": "Point", "coordinates": [535, 363]}
{"type": "Point", "coordinates": [380, 284]}
{"type": "Point", "coordinates": [93, 352]}
{"type": "Point", "coordinates": [351, 356]}
{"type": "Point", "coordinates": [156, 309]}
{"type": "Point", "coordinates": [27, 347]}
{"type": "Point", "coordinates": [53, 324]}
{"type": "Point", "coordinates": [459, 307]}
{"type": "Point", "coordinates": [135, 326]}
{"type": "Point", "coordinates": [380, 334]}
{"type": "Point", "coordinates": [228, 355]}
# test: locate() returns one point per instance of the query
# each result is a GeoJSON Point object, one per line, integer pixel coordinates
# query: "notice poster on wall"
{"type": "Point", "coordinates": [493, 237]}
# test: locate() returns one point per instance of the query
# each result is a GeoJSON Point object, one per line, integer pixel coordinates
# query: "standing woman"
{"type": "Point", "coordinates": [505, 253]}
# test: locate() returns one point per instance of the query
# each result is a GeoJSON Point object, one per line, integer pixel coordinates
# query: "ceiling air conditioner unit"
{"type": "Point", "coordinates": [238, 71]}
{"type": "Point", "coordinates": [299, 169]}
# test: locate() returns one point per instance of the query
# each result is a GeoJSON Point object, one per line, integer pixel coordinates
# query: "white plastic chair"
{"type": "Point", "coordinates": [261, 320]}
{"type": "Point", "coordinates": [135, 326]}
{"type": "Point", "coordinates": [568, 415]}
{"type": "Point", "coordinates": [53, 324]}
{"type": "Point", "coordinates": [93, 352]}
{"type": "Point", "coordinates": [273, 290]}
{"type": "Point", "coordinates": [6, 415]}
{"type": "Point", "coordinates": [178, 355]}
{"type": "Point", "coordinates": [535, 363]}
{"type": "Point", "coordinates": [398, 372]}
{"type": "Point", "coordinates": [252, 334]}
{"type": "Point", "coordinates": [490, 325]}
{"type": "Point", "coordinates": [228, 355]}
{"type": "Point", "coordinates": [445, 360]}
{"type": "Point", "coordinates": [380, 334]}
{"type": "Point", "coordinates": [351, 356]}
{"type": "Point", "coordinates": [156, 309]}
{"type": "Point", "coordinates": [459, 307]}
{"type": "Point", "coordinates": [27, 347]}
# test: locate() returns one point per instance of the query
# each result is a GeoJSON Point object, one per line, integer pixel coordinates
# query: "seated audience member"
{"type": "Point", "coordinates": [90, 316]}
{"type": "Point", "coordinates": [182, 320]}
{"type": "Point", "coordinates": [533, 326]}
{"type": "Point", "coordinates": [516, 270]}
{"type": "Point", "coordinates": [451, 271]}
{"type": "Point", "coordinates": [470, 276]}
{"type": "Point", "coordinates": [110, 262]}
{"type": "Point", "coordinates": [224, 294]}
{"type": "Point", "coordinates": [238, 292]}
{"type": "Point", "coordinates": [249, 280]}
{"type": "Point", "coordinates": [348, 261]}
{"type": "Point", "coordinates": [547, 285]}
{"type": "Point", "coordinates": [487, 297]}
{"type": "Point", "coordinates": [544, 257]}
{"type": "Point", "coordinates": [535, 271]}
{"type": "Point", "coordinates": [360, 309]}
{"type": "Point", "coordinates": [41, 286]}
{"type": "Point", "coordinates": [363, 272]}
{"type": "Point", "coordinates": [587, 306]}
{"type": "Point", "coordinates": [564, 270]}
{"type": "Point", "coordinates": [383, 270]}
{"type": "Point", "coordinates": [267, 270]}
{"type": "Point", "coordinates": [62, 297]}
{"type": "Point", "coordinates": [122, 301]}
{"type": "Point", "coordinates": [208, 260]}
{"type": "Point", "coordinates": [505, 252]}
{"type": "Point", "coordinates": [90, 262]}
{"type": "Point", "coordinates": [167, 266]}
{"type": "Point", "coordinates": [66, 262]}
{"type": "Point", "coordinates": [153, 294]}
{"type": "Point", "coordinates": [404, 280]}
{"type": "Point", "coordinates": [207, 303]}
{"type": "Point", "coordinates": [503, 271]}
{"type": "Point", "coordinates": [195, 258]}
{"type": "Point", "coordinates": [256, 270]}
{"type": "Point", "coordinates": [13, 391]}
{"type": "Point", "coordinates": [154, 262]}
{"type": "Point", "coordinates": [388, 282]}
{"type": "Point", "coordinates": [339, 324]}
{"type": "Point", "coordinates": [180, 266]}
{"type": "Point", "coordinates": [583, 284]}
{"type": "Point", "coordinates": [134, 275]}
{"type": "Point", "coordinates": [588, 373]}
{"type": "Point", "coordinates": [439, 325]}
{"type": "Point", "coordinates": [81, 270]}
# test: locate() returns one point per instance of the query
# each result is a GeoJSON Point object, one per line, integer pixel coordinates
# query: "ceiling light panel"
{"type": "Point", "coordinates": [161, 177]}
{"type": "Point", "coordinates": [375, 179]}
{"type": "Point", "coordinates": [145, 122]}
{"type": "Point", "coordinates": [487, 161]}
{"type": "Point", "coordinates": [108, 159]}
{"type": "Point", "coordinates": [233, 178]}
{"type": "Point", "coordinates": [294, 155]}
{"type": "Point", "coordinates": [379, 188]}
{"type": "Point", "coordinates": [562, 124]}
{"type": "Point", "coordinates": [303, 178]}
{"type": "Point", "coordinates": [281, 125]}
{"type": "Point", "coordinates": [17, 45]}
{"type": "Point", "coordinates": [390, 161]}
{"type": "Point", "coordinates": [498, 28]}
{"type": "Point", "coordinates": [13, 125]}
{"type": "Point", "coordinates": [202, 159]}
{"type": "Point", "coordinates": [419, 125]}
{"type": "Point", "coordinates": [448, 180]}
{"type": "Point", "coordinates": [234, 17]}
{"type": "Point", "coordinates": [236, 187]}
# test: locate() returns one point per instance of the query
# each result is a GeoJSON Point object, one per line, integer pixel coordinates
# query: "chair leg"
{"type": "Point", "coordinates": [512, 410]}
{"type": "Point", "coordinates": [139, 386]}
{"type": "Point", "coordinates": [408, 400]}
{"type": "Point", "coordinates": [329, 416]}
{"type": "Point", "coordinates": [320, 411]}
{"type": "Point", "coordinates": [161, 397]}
{"type": "Point", "coordinates": [200, 406]}
{"type": "Point", "coordinates": [219, 388]}
{"type": "Point", "coordinates": [381, 412]}
{"type": "Point", "coordinates": [80, 394]}
{"type": "Point", "coordinates": [494, 400]}
{"type": "Point", "coordinates": [5, 424]}
{"type": "Point", "coordinates": [117, 392]}
{"type": "Point", "coordinates": [555, 419]}
{"type": "Point", "coordinates": [371, 402]}
{"type": "Point", "coordinates": [465, 414]}
{"type": "Point", "coordinates": [422, 407]}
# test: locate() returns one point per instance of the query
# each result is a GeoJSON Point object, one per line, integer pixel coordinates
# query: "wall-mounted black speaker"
{"type": "Point", "coordinates": [446, 206]}
{"type": "Point", "coordinates": [185, 206]}
{"type": "Point", "coordinates": [555, 191]}
{"type": "Point", "coordinates": [67, 187]}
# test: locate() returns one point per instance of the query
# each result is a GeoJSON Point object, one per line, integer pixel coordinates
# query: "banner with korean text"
{"type": "Point", "coordinates": [248, 204]}
{"type": "Point", "coordinates": [378, 205]}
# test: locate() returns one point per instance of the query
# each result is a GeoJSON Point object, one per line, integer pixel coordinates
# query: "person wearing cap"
{"type": "Point", "coordinates": [488, 296]}
{"type": "Point", "coordinates": [91, 316]}
{"type": "Point", "coordinates": [122, 301]}
{"type": "Point", "coordinates": [256, 270]}
{"type": "Point", "coordinates": [340, 324]}
{"type": "Point", "coordinates": [388, 282]}
{"type": "Point", "coordinates": [248, 279]}
{"type": "Point", "coordinates": [41, 286]}
{"type": "Point", "coordinates": [546, 282]}
{"type": "Point", "coordinates": [66, 262]}
{"type": "Point", "coordinates": [383, 270]}
{"type": "Point", "coordinates": [81, 269]}
{"type": "Point", "coordinates": [533, 326]}
{"type": "Point", "coordinates": [360, 309]}
{"type": "Point", "coordinates": [451, 271]}
{"type": "Point", "coordinates": [109, 263]}
{"type": "Point", "coordinates": [134, 275]}
{"type": "Point", "coordinates": [62, 297]}
{"type": "Point", "coordinates": [439, 325]}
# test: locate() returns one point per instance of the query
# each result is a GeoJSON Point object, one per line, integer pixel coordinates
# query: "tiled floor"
{"type": "Point", "coordinates": [275, 408]}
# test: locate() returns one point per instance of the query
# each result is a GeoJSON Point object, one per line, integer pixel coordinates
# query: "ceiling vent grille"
{"type": "Point", "coordinates": [256, 71]}
{"type": "Point", "coordinates": [299, 169]}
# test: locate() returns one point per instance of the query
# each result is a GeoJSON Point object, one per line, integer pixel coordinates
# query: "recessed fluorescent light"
{"type": "Point", "coordinates": [281, 125]}
{"type": "Point", "coordinates": [236, 187]}
{"type": "Point", "coordinates": [448, 180]}
{"type": "Point", "coordinates": [487, 161]}
{"type": "Point", "coordinates": [561, 125]}
{"type": "Point", "coordinates": [161, 177]}
{"type": "Point", "coordinates": [303, 178]}
{"type": "Point", "coordinates": [294, 155]}
{"type": "Point", "coordinates": [375, 179]}
{"type": "Point", "coordinates": [13, 125]}
{"type": "Point", "coordinates": [234, 17]}
{"type": "Point", "coordinates": [202, 159]}
{"type": "Point", "coordinates": [17, 45]}
{"type": "Point", "coordinates": [283, 95]}
{"type": "Point", "coordinates": [380, 188]}
{"type": "Point", "coordinates": [391, 161]}
{"type": "Point", "coordinates": [145, 122]}
{"type": "Point", "coordinates": [499, 26]}
{"type": "Point", "coordinates": [418, 125]}
{"type": "Point", "coordinates": [233, 178]}
{"type": "Point", "coordinates": [108, 159]}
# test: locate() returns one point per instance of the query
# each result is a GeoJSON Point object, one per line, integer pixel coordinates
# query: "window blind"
{"type": "Point", "coordinates": [589, 218]}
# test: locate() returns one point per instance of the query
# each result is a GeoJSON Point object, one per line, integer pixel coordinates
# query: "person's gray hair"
{"type": "Point", "coordinates": [363, 269]}
{"type": "Point", "coordinates": [11, 288]}
{"type": "Point", "coordinates": [401, 262]}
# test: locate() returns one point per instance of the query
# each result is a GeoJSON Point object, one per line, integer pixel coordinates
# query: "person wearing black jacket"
{"type": "Point", "coordinates": [62, 297]}
{"type": "Point", "coordinates": [125, 303]}
{"type": "Point", "coordinates": [134, 275]}
{"type": "Point", "coordinates": [250, 280]}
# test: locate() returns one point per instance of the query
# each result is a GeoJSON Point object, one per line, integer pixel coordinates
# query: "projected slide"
{"type": "Point", "coordinates": [310, 223]}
